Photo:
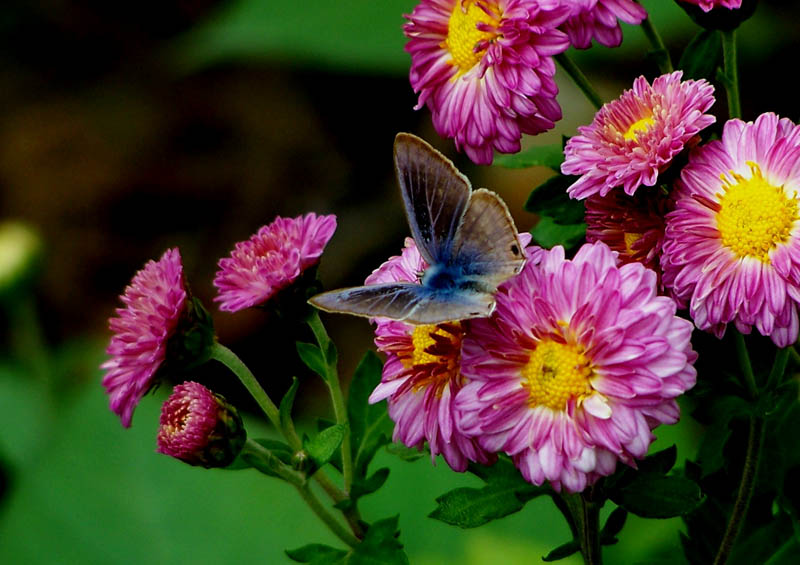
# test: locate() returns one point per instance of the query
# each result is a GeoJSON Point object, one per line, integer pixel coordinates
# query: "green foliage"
{"type": "Point", "coordinates": [505, 492]}
{"type": "Point", "coordinates": [614, 524]}
{"type": "Point", "coordinates": [287, 402]}
{"type": "Point", "coordinates": [322, 447]}
{"type": "Point", "coordinates": [548, 233]}
{"type": "Point", "coordinates": [281, 451]}
{"type": "Point", "coordinates": [702, 56]}
{"type": "Point", "coordinates": [313, 358]}
{"type": "Point", "coordinates": [562, 551]}
{"type": "Point", "coordinates": [550, 156]}
{"type": "Point", "coordinates": [370, 426]}
{"type": "Point", "coordinates": [560, 218]}
{"type": "Point", "coordinates": [408, 454]}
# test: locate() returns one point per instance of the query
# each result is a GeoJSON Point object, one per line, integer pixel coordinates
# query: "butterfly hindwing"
{"type": "Point", "coordinates": [405, 301]}
{"type": "Point", "coordinates": [435, 196]}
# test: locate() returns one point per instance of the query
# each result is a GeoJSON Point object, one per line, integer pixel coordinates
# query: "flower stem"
{"type": "Point", "coordinates": [746, 366]}
{"type": "Point", "coordinates": [585, 524]}
{"type": "Point", "coordinates": [778, 368]}
{"type": "Point", "coordinates": [335, 388]}
{"type": "Point", "coordinates": [731, 73]}
{"type": "Point", "coordinates": [238, 368]}
{"type": "Point", "coordinates": [662, 54]}
{"type": "Point", "coordinates": [579, 79]}
{"type": "Point", "coordinates": [755, 441]}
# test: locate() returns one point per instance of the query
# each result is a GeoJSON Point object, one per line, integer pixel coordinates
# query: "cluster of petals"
{"type": "Point", "coordinates": [634, 357]}
{"type": "Point", "coordinates": [154, 302]}
{"type": "Point", "coordinates": [634, 138]}
{"type": "Point", "coordinates": [188, 418]}
{"type": "Point", "coordinates": [739, 261]}
{"type": "Point", "coordinates": [597, 19]}
{"type": "Point", "coordinates": [485, 70]}
{"type": "Point", "coordinates": [271, 260]}
{"type": "Point", "coordinates": [708, 5]}
{"type": "Point", "coordinates": [421, 395]}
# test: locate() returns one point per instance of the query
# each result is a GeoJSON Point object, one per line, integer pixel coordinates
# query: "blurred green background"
{"type": "Point", "coordinates": [130, 127]}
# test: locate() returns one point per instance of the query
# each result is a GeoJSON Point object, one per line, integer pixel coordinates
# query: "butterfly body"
{"type": "Point", "coordinates": [466, 237]}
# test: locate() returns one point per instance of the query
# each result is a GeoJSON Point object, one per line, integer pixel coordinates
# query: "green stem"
{"type": "Point", "coordinates": [585, 524]}
{"type": "Point", "coordinates": [778, 368]}
{"type": "Point", "coordinates": [664, 61]}
{"type": "Point", "coordinates": [26, 336]}
{"type": "Point", "coordinates": [755, 441]}
{"type": "Point", "coordinates": [746, 366]}
{"type": "Point", "coordinates": [238, 368]}
{"type": "Point", "coordinates": [335, 388]}
{"type": "Point", "coordinates": [731, 73]}
{"type": "Point", "coordinates": [579, 79]}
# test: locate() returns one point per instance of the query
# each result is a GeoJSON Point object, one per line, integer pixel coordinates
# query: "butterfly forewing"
{"type": "Point", "coordinates": [435, 196]}
{"type": "Point", "coordinates": [407, 302]}
{"type": "Point", "coordinates": [486, 243]}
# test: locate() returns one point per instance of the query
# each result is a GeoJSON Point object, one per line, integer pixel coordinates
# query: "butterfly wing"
{"type": "Point", "coordinates": [486, 245]}
{"type": "Point", "coordinates": [405, 301]}
{"type": "Point", "coordinates": [435, 195]}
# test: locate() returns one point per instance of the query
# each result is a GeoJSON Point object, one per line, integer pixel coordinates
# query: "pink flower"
{"type": "Point", "coordinates": [485, 70]}
{"type": "Point", "coordinates": [708, 5]}
{"type": "Point", "coordinates": [154, 303]}
{"type": "Point", "coordinates": [634, 138]}
{"type": "Point", "coordinates": [199, 427]}
{"type": "Point", "coordinates": [598, 19]}
{"type": "Point", "coordinates": [633, 226]}
{"type": "Point", "coordinates": [579, 362]}
{"type": "Point", "coordinates": [732, 244]}
{"type": "Point", "coordinates": [271, 260]}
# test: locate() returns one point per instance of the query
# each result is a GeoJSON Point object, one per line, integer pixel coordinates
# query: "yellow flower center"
{"type": "Point", "coordinates": [630, 239]}
{"type": "Point", "coordinates": [637, 127]}
{"type": "Point", "coordinates": [463, 35]}
{"type": "Point", "coordinates": [754, 216]}
{"type": "Point", "coordinates": [555, 373]}
{"type": "Point", "coordinates": [436, 354]}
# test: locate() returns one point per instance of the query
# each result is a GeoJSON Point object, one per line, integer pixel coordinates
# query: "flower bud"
{"type": "Point", "coordinates": [200, 427]}
{"type": "Point", "coordinates": [20, 252]}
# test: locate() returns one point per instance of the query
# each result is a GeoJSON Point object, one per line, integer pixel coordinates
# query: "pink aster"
{"type": "Point", "coordinates": [154, 303]}
{"type": "Point", "coordinates": [708, 5]}
{"type": "Point", "coordinates": [579, 362]}
{"type": "Point", "coordinates": [199, 427]}
{"type": "Point", "coordinates": [422, 376]}
{"type": "Point", "coordinates": [634, 138]}
{"type": "Point", "coordinates": [271, 260]}
{"type": "Point", "coordinates": [633, 226]}
{"type": "Point", "coordinates": [485, 70]}
{"type": "Point", "coordinates": [732, 244]}
{"type": "Point", "coordinates": [597, 19]}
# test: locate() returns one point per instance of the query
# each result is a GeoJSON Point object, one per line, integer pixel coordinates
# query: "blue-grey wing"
{"type": "Point", "coordinates": [406, 302]}
{"type": "Point", "coordinates": [486, 246]}
{"type": "Point", "coordinates": [435, 195]}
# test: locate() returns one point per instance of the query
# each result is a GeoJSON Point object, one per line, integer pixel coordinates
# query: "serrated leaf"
{"type": "Point", "coordinates": [655, 496]}
{"type": "Point", "coordinates": [613, 526]}
{"type": "Point", "coordinates": [409, 454]}
{"type": "Point", "coordinates": [324, 445]}
{"type": "Point", "coordinates": [547, 233]}
{"type": "Point", "coordinates": [562, 551]}
{"type": "Point", "coordinates": [312, 357]}
{"type": "Point", "coordinates": [287, 402]}
{"type": "Point", "coordinates": [551, 199]}
{"type": "Point", "coordinates": [370, 426]}
{"type": "Point", "coordinates": [317, 554]}
{"type": "Point", "coordinates": [550, 156]}
{"type": "Point", "coordinates": [701, 57]}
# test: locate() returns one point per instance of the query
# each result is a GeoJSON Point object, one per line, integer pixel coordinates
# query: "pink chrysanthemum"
{"type": "Point", "coordinates": [579, 362]}
{"type": "Point", "coordinates": [271, 260]}
{"type": "Point", "coordinates": [422, 376]}
{"type": "Point", "coordinates": [708, 5]}
{"type": "Point", "coordinates": [154, 303]}
{"type": "Point", "coordinates": [732, 244]}
{"type": "Point", "coordinates": [485, 69]}
{"type": "Point", "coordinates": [633, 226]}
{"type": "Point", "coordinates": [634, 138]}
{"type": "Point", "coordinates": [199, 427]}
{"type": "Point", "coordinates": [597, 19]}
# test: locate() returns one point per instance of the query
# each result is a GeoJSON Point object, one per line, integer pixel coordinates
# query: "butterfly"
{"type": "Point", "coordinates": [467, 238]}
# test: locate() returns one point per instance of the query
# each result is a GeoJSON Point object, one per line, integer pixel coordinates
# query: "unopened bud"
{"type": "Point", "coordinates": [20, 251]}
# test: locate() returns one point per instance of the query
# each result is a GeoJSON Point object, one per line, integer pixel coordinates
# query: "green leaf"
{"type": "Point", "coordinates": [613, 526]}
{"type": "Point", "coordinates": [786, 554]}
{"type": "Point", "coordinates": [505, 492]}
{"type": "Point", "coordinates": [279, 449]}
{"type": "Point", "coordinates": [324, 445]}
{"type": "Point", "coordinates": [287, 402]}
{"type": "Point", "coordinates": [380, 546]}
{"type": "Point", "coordinates": [364, 487]}
{"type": "Point", "coordinates": [317, 554]}
{"type": "Point", "coordinates": [551, 199]}
{"type": "Point", "coordinates": [370, 426]}
{"type": "Point", "coordinates": [654, 496]}
{"type": "Point", "coordinates": [660, 462]}
{"type": "Point", "coordinates": [562, 551]}
{"type": "Point", "coordinates": [548, 233]}
{"type": "Point", "coordinates": [723, 411]}
{"type": "Point", "coordinates": [313, 358]}
{"type": "Point", "coordinates": [408, 454]}
{"type": "Point", "coordinates": [702, 56]}
{"type": "Point", "coordinates": [550, 156]}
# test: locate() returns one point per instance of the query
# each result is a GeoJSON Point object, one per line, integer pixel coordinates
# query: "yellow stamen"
{"type": "Point", "coordinates": [637, 127]}
{"type": "Point", "coordinates": [555, 373]}
{"type": "Point", "coordinates": [463, 35]}
{"type": "Point", "coordinates": [754, 216]}
{"type": "Point", "coordinates": [441, 354]}
{"type": "Point", "coordinates": [630, 239]}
